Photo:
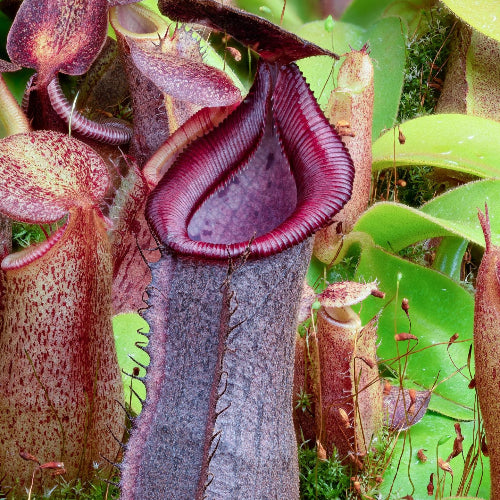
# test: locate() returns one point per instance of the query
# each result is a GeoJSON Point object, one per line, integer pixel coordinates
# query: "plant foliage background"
{"type": "Point", "coordinates": [420, 238]}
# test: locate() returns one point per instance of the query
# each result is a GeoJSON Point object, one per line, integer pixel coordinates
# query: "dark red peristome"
{"type": "Point", "coordinates": [113, 132]}
{"type": "Point", "coordinates": [270, 41]}
{"type": "Point", "coordinates": [206, 165]}
{"type": "Point", "coordinates": [202, 122]}
{"type": "Point", "coordinates": [321, 166]}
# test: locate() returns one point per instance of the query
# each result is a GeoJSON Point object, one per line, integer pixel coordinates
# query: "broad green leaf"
{"type": "Point", "coordinates": [443, 406]}
{"type": "Point", "coordinates": [321, 71]}
{"type": "Point", "coordinates": [449, 256]}
{"type": "Point", "coordinates": [439, 307]}
{"type": "Point", "coordinates": [387, 50]}
{"type": "Point", "coordinates": [152, 5]}
{"type": "Point", "coordinates": [394, 226]}
{"type": "Point", "coordinates": [294, 16]}
{"type": "Point", "coordinates": [462, 143]}
{"type": "Point", "coordinates": [483, 15]}
{"type": "Point", "coordinates": [387, 43]}
{"type": "Point", "coordinates": [426, 435]}
{"type": "Point", "coordinates": [125, 329]}
{"type": "Point", "coordinates": [461, 204]}
{"type": "Point", "coordinates": [365, 12]}
{"type": "Point", "coordinates": [307, 11]}
{"type": "Point", "coordinates": [415, 13]}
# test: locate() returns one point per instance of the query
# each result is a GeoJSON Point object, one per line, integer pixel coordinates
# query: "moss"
{"type": "Point", "coordinates": [427, 53]}
{"type": "Point", "coordinates": [24, 235]}
{"type": "Point", "coordinates": [97, 490]}
{"type": "Point", "coordinates": [332, 479]}
{"type": "Point", "coordinates": [322, 480]}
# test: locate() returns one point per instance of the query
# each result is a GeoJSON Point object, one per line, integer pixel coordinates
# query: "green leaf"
{"type": "Point", "coordinates": [387, 50]}
{"type": "Point", "coordinates": [449, 256]}
{"type": "Point", "coordinates": [483, 15]}
{"type": "Point", "coordinates": [435, 317]}
{"type": "Point", "coordinates": [294, 15]}
{"type": "Point", "coordinates": [434, 312]}
{"type": "Point", "coordinates": [460, 205]}
{"type": "Point", "coordinates": [365, 12]}
{"type": "Point", "coordinates": [320, 71]}
{"type": "Point", "coordinates": [441, 405]}
{"type": "Point", "coordinates": [394, 226]}
{"type": "Point", "coordinates": [152, 5]}
{"type": "Point", "coordinates": [126, 328]}
{"type": "Point", "coordinates": [425, 435]}
{"type": "Point", "coordinates": [414, 13]}
{"type": "Point", "coordinates": [387, 44]}
{"type": "Point", "coordinates": [450, 141]}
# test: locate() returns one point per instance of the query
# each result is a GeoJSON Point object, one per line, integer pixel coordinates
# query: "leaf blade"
{"type": "Point", "coordinates": [450, 141]}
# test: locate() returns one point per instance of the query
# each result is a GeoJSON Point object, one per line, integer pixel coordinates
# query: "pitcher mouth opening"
{"type": "Point", "coordinates": [135, 20]}
{"type": "Point", "coordinates": [217, 202]}
{"type": "Point", "coordinates": [241, 209]}
{"type": "Point", "coordinates": [32, 252]}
